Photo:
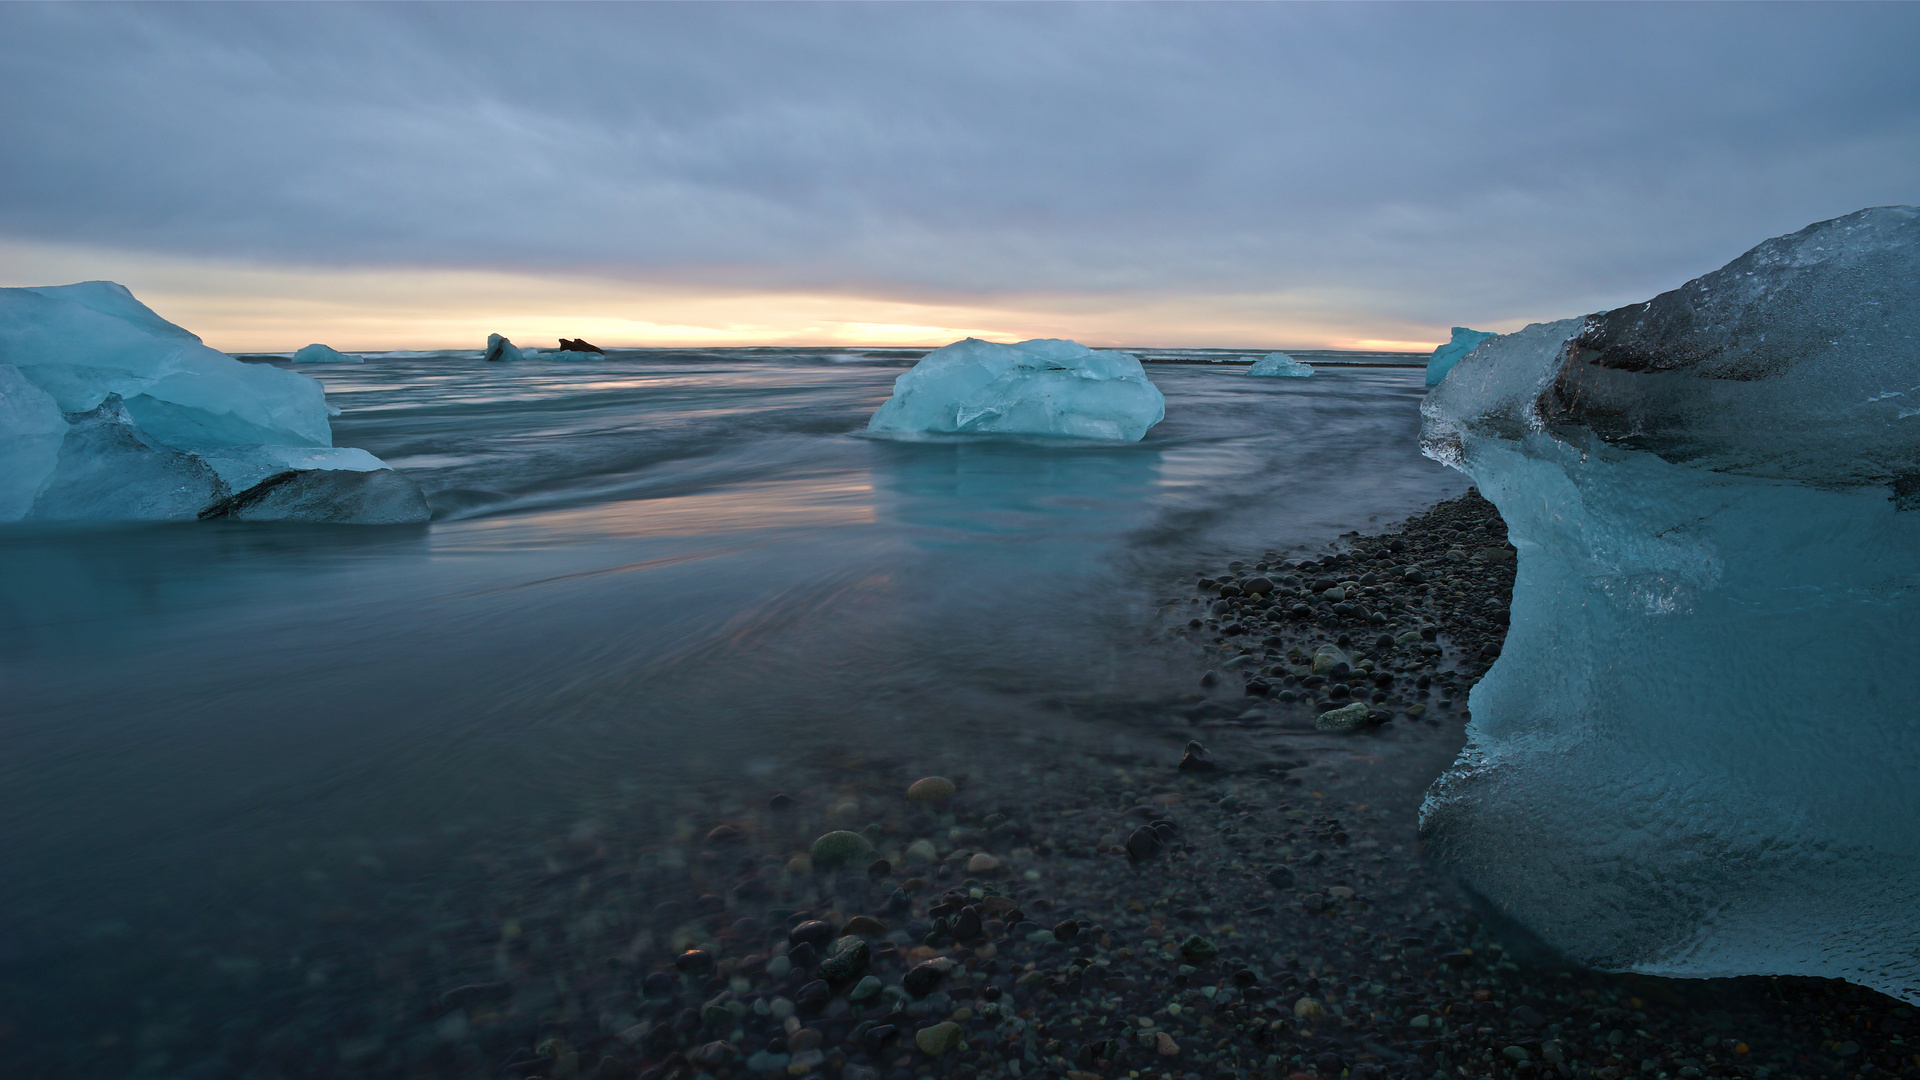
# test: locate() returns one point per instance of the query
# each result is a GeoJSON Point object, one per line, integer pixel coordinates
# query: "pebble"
{"type": "Point", "coordinates": [1197, 758]}
{"type": "Point", "coordinates": [840, 847]}
{"type": "Point", "coordinates": [1346, 718]}
{"type": "Point", "coordinates": [922, 851]}
{"type": "Point", "coordinates": [982, 863]}
{"type": "Point", "coordinates": [938, 1039]}
{"type": "Point", "coordinates": [1309, 1009]}
{"type": "Point", "coordinates": [1164, 1045]}
{"type": "Point", "coordinates": [931, 789]}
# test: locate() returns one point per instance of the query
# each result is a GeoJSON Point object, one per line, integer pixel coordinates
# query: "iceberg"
{"type": "Point", "coordinates": [321, 354]}
{"type": "Point", "coordinates": [1695, 754]}
{"type": "Point", "coordinates": [109, 412]}
{"type": "Point", "coordinates": [1279, 363]}
{"type": "Point", "coordinates": [499, 348]}
{"type": "Point", "coordinates": [1449, 354]}
{"type": "Point", "coordinates": [1046, 386]}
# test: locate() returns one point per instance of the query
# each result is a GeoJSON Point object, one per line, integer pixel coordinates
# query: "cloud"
{"type": "Point", "coordinates": [1410, 165]}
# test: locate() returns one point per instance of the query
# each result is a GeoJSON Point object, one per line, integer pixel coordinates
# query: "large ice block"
{"type": "Point", "coordinates": [109, 412]}
{"type": "Point", "coordinates": [81, 342]}
{"type": "Point", "coordinates": [1280, 364]}
{"type": "Point", "coordinates": [1447, 355]}
{"type": "Point", "coordinates": [1695, 755]}
{"type": "Point", "coordinates": [31, 430]}
{"type": "Point", "coordinates": [1046, 386]}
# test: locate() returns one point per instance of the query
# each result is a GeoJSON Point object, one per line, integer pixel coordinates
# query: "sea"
{"type": "Point", "coordinates": [233, 752]}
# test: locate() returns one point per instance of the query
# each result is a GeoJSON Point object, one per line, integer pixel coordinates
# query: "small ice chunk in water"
{"type": "Point", "coordinates": [1695, 755]}
{"type": "Point", "coordinates": [499, 348]}
{"type": "Point", "coordinates": [1279, 363]}
{"type": "Point", "coordinates": [1047, 386]}
{"type": "Point", "coordinates": [321, 354]}
{"type": "Point", "coordinates": [1449, 354]}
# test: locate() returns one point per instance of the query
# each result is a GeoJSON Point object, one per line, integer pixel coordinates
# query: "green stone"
{"type": "Point", "coordinates": [1346, 718]}
{"type": "Point", "coordinates": [839, 848]}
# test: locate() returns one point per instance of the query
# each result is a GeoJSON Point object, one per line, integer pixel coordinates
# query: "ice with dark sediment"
{"type": "Point", "coordinates": [1046, 386]}
{"type": "Point", "coordinates": [1695, 755]}
{"type": "Point", "coordinates": [109, 412]}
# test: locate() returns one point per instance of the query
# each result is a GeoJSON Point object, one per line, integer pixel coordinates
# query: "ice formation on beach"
{"type": "Point", "coordinates": [1046, 386]}
{"type": "Point", "coordinates": [109, 412]}
{"type": "Point", "coordinates": [1695, 755]}
{"type": "Point", "coordinates": [1279, 363]}
{"type": "Point", "coordinates": [1449, 354]}
{"type": "Point", "coordinates": [499, 348]}
{"type": "Point", "coordinates": [321, 354]}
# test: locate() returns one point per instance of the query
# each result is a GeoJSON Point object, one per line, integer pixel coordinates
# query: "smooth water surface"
{"type": "Point", "coordinates": [644, 573]}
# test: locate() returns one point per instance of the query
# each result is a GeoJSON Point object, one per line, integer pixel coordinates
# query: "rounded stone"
{"type": "Point", "coordinates": [1347, 718]}
{"type": "Point", "coordinates": [937, 1039]}
{"type": "Point", "coordinates": [840, 847]}
{"type": "Point", "coordinates": [931, 789]}
{"type": "Point", "coordinates": [982, 863]}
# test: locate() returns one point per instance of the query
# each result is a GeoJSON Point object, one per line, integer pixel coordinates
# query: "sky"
{"type": "Point", "coordinates": [1242, 175]}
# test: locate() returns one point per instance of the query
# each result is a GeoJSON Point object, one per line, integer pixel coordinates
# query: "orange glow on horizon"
{"type": "Point", "coordinates": [243, 308]}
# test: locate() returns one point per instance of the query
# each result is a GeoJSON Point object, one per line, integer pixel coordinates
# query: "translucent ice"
{"type": "Point", "coordinates": [321, 354]}
{"type": "Point", "coordinates": [109, 412]}
{"type": "Point", "coordinates": [1046, 386]}
{"type": "Point", "coordinates": [499, 348]}
{"type": "Point", "coordinates": [1695, 755]}
{"type": "Point", "coordinates": [31, 430]}
{"type": "Point", "coordinates": [1449, 354]}
{"type": "Point", "coordinates": [80, 343]}
{"type": "Point", "coordinates": [1279, 363]}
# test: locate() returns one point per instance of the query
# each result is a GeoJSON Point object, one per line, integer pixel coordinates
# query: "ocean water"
{"type": "Point", "coordinates": [649, 578]}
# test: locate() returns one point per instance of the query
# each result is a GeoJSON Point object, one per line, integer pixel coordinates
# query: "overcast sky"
{"type": "Point", "coordinates": [1244, 174]}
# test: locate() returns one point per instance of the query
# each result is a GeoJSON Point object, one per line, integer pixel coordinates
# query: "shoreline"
{"type": "Point", "coordinates": [1225, 887]}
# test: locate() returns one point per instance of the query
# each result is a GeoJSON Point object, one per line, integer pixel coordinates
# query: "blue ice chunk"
{"type": "Point", "coordinates": [109, 412]}
{"type": "Point", "coordinates": [81, 342]}
{"type": "Point", "coordinates": [321, 354]}
{"type": "Point", "coordinates": [499, 348]}
{"type": "Point", "coordinates": [31, 431]}
{"type": "Point", "coordinates": [1047, 386]}
{"type": "Point", "coordinates": [1449, 354]}
{"type": "Point", "coordinates": [1695, 754]}
{"type": "Point", "coordinates": [1279, 363]}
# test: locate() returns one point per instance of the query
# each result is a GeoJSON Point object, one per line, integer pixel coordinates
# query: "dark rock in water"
{"type": "Point", "coordinates": [109, 470]}
{"type": "Point", "coordinates": [813, 932]}
{"type": "Point", "coordinates": [1143, 844]}
{"type": "Point", "coordinates": [921, 979]}
{"type": "Point", "coordinates": [659, 985]}
{"type": "Point", "coordinates": [337, 496]}
{"type": "Point", "coordinates": [847, 965]}
{"type": "Point", "coordinates": [781, 801]}
{"type": "Point", "coordinates": [803, 955]}
{"type": "Point", "coordinates": [694, 960]}
{"type": "Point", "coordinates": [580, 345]}
{"type": "Point", "coordinates": [1197, 758]}
{"type": "Point", "coordinates": [1281, 877]}
{"type": "Point", "coordinates": [813, 996]}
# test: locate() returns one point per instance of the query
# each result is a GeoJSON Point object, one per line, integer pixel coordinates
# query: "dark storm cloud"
{"type": "Point", "coordinates": [1459, 162]}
